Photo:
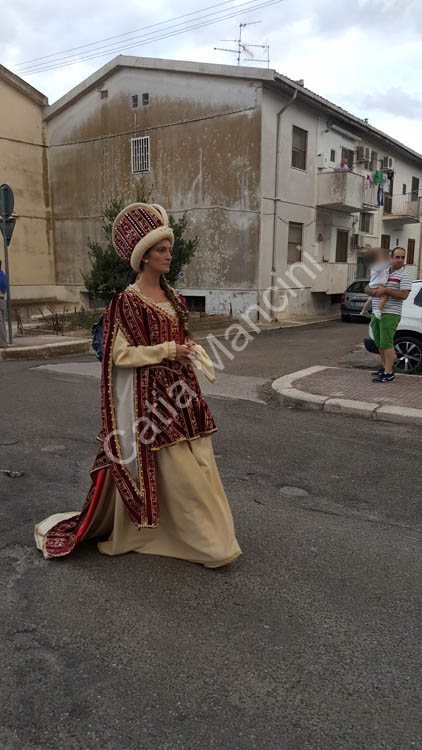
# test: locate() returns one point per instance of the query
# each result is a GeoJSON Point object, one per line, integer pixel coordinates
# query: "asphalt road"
{"type": "Point", "coordinates": [271, 354]}
{"type": "Point", "coordinates": [311, 640]}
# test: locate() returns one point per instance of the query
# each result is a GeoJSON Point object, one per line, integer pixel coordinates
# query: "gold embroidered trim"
{"type": "Point", "coordinates": [169, 311]}
{"type": "Point", "coordinates": [184, 440]}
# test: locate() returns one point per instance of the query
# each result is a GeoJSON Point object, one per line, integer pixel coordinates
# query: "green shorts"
{"type": "Point", "coordinates": [383, 330]}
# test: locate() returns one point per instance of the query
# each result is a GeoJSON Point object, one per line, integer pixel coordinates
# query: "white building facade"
{"type": "Point", "coordinates": [254, 159]}
{"type": "Point", "coordinates": [322, 206]}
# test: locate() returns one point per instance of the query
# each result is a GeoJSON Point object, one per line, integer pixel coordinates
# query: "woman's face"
{"type": "Point", "coordinates": [159, 257]}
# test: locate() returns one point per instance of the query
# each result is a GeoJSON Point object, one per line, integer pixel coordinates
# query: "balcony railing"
{"type": "Point", "coordinates": [401, 207]}
{"type": "Point", "coordinates": [370, 196]}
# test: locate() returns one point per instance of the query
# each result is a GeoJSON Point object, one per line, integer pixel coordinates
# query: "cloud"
{"type": "Point", "coordinates": [364, 56]}
{"type": "Point", "coordinates": [395, 101]}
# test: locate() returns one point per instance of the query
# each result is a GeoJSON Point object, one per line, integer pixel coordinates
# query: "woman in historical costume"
{"type": "Point", "coordinates": [155, 485]}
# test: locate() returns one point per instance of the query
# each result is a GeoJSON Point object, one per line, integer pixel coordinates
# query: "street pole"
{"type": "Point", "coordinates": [6, 262]}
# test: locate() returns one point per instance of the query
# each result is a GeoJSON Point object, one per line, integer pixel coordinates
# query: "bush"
{"type": "Point", "coordinates": [108, 274]}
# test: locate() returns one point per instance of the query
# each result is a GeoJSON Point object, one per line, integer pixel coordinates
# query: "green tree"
{"type": "Point", "coordinates": [108, 274]}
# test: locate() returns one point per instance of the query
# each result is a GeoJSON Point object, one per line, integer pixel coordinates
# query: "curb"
{"type": "Point", "coordinates": [284, 391]}
{"type": "Point", "coordinates": [45, 351]}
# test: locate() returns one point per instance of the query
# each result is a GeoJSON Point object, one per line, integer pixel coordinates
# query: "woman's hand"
{"type": "Point", "coordinates": [185, 353]}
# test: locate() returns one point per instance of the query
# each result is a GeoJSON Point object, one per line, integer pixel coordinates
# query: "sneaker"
{"type": "Point", "coordinates": [384, 378]}
{"type": "Point", "coordinates": [378, 372]}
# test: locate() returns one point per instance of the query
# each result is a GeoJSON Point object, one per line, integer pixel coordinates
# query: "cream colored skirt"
{"type": "Point", "coordinates": [196, 523]}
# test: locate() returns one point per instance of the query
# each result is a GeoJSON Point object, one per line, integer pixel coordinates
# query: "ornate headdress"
{"type": "Point", "coordinates": [137, 228]}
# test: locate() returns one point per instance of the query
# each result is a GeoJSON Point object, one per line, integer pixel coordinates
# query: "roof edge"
{"type": "Point", "coordinates": [267, 76]}
{"type": "Point", "coordinates": [22, 86]}
{"type": "Point", "coordinates": [342, 114]}
{"type": "Point", "coordinates": [153, 63]}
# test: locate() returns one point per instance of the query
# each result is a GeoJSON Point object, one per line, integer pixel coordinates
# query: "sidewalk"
{"type": "Point", "coordinates": [38, 346]}
{"type": "Point", "coordinates": [351, 391]}
{"type": "Point", "coordinates": [43, 347]}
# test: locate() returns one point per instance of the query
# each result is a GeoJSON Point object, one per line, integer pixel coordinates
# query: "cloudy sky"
{"type": "Point", "coordinates": [364, 55]}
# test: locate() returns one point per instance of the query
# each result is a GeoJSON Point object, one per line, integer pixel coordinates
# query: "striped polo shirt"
{"type": "Point", "coordinates": [397, 279]}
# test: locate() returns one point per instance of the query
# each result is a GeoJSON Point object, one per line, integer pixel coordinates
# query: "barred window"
{"type": "Point", "coordinates": [140, 154]}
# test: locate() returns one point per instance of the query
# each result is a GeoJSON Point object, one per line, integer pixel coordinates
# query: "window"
{"type": "Point", "coordinates": [342, 245]}
{"type": "Point", "coordinates": [385, 241]}
{"type": "Point", "coordinates": [415, 189]}
{"type": "Point", "coordinates": [104, 94]}
{"type": "Point", "coordinates": [373, 164]}
{"type": "Point", "coordinates": [294, 250]}
{"type": "Point", "coordinates": [410, 252]}
{"type": "Point", "coordinates": [299, 144]}
{"type": "Point", "coordinates": [140, 154]}
{"type": "Point", "coordinates": [347, 155]}
{"type": "Point", "coordinates": [145, 99]}
{"type": "Point", "coordinates": [418, 299]}
{"type": "Point", "coordinates": [134, 100]}
{"type": "Point", "coordinates": [332, 155]}
{"type": "Point", "coordinates": [357, 286]}
{"type": "Point", "coordinates": [195, 304]}
{"type": "Point", "coordinates": [404, 189]}
{"type": "Point", "coordinates": [365, 223]}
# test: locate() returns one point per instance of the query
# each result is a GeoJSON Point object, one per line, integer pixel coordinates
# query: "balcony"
{"type": "Point", "coordinates": [370, 202]}
{"type": "Point", "coordinates": [401, 209]}
{"type": "Point", "coordinates": [341, 191]}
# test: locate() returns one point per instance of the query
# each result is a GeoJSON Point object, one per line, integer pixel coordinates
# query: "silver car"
{"type": "Point", "coordinates": [353, 299]}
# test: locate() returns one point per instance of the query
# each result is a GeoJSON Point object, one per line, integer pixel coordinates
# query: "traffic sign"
{"type": "Point", "coordinates": [10, 225]}
{"type": "Point", "coordinates": [7, 201]}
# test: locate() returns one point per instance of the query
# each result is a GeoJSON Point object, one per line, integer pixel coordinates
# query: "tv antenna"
{"type": "Point", "coordinates": [246, 48]}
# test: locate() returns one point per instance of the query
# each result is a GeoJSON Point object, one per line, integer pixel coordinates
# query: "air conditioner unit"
{"type": "Point", "coordinates": [322, 161]}
{"type": "Point", "coordinates": [360, 154]}
{"type": "Point", "coordinates": [357, 241]}
{"type": "Point", "coordinates": [387, 162]}
{"type": "Point", "coordinates": [363, 154]}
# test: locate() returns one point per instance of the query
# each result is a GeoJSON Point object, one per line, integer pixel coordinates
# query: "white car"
{"type": "Point", "coordinates": [408, 338]}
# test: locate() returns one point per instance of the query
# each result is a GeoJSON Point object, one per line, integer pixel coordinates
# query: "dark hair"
{"type": "Point", "coordinates": [177, 303]}
{"type": "Point", "coordinates": [398, 248]}
{"type": "Point", "coordinates": [133, 275]}
{"type": "Point", "coordinates": [172, 297]}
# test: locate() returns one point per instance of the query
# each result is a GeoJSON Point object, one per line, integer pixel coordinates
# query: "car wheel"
{"type": "Point", "coordinates": [409, 354]}
{"type": "Point", "coordinates": [345, 317]}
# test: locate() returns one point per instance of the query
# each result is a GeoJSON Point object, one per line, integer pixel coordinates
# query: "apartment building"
{"type": "Point", "coordinates": [284, 189]}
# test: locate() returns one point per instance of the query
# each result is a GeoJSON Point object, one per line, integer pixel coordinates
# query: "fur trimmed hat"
{"type": "Point", "coordinates": [137, 228]}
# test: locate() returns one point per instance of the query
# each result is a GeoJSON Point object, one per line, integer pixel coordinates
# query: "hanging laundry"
{"type": "Point", "coordinates": [378, 177]}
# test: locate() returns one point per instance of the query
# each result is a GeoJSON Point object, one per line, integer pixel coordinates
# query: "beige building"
{"type": "Point", "coordinates": [24, 166]}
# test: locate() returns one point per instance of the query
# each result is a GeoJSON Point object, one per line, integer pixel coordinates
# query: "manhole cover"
{"type": "Point", "coordinates": [293, 491]}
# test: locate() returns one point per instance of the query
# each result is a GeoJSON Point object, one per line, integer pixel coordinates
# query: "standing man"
{"type": "Point", "coordinates": [3, 290]}
{"type": "Point", "coordinates": [397, 290]}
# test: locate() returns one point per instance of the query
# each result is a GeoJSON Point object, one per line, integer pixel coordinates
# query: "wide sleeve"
{"type": "Point", "coordinates": [125, 355]}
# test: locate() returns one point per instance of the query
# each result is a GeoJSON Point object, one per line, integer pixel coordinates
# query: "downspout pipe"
{"type": "Point", "coordinates": [279, 116]}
